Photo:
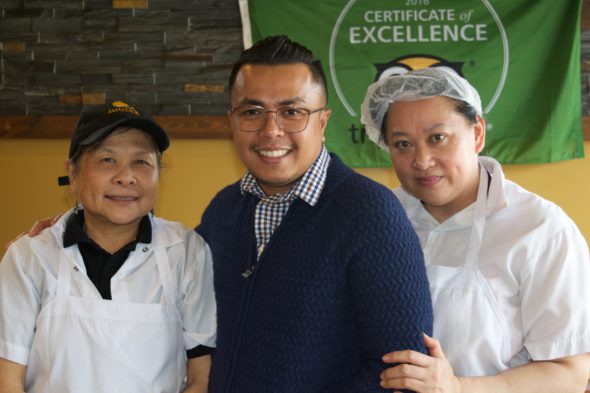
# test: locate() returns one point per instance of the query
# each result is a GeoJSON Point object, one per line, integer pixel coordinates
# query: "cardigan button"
{"type": "Point", "coordinates": [145, 249]}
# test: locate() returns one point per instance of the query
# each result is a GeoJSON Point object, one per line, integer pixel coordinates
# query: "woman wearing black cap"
{"type": "Point", "coordinates": [110, 298]}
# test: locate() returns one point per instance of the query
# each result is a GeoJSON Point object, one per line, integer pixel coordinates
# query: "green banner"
{"type": "Point", "coordinates": [523, 56]}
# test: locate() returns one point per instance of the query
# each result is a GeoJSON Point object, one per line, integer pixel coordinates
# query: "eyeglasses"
{"type": "Point", "coordinates": [252, 118]}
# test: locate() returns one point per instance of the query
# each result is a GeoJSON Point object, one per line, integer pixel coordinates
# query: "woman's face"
{"type": "Point", "coordinates": [434, 152]}
{"type": "Point", "coordinates": [117, 183]}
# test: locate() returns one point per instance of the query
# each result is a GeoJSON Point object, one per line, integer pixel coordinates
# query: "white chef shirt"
{"type": "Point", "coordinates": [534, 259]}
{"type": "Point", "coordinates": [28, 274]}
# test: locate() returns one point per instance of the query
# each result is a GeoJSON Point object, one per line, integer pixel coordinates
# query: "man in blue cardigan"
{"type": "Point", "coordinates": [318, 272]}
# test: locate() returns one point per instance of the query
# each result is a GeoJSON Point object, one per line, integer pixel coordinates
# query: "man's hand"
{"type": "Point", "coordinates": [37, 227]}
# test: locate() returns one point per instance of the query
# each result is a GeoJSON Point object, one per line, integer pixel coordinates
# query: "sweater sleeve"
{"type": "Point", "coordinates": [390, 291]}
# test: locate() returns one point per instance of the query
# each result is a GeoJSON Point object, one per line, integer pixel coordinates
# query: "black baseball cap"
{"type": "Point", "coordinates": [98, 122]}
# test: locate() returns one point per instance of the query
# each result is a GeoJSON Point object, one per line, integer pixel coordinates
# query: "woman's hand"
{"type": "Point", "coordinates": [421, 373]}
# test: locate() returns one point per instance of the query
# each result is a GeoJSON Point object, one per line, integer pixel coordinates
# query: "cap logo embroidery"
{"type": "Point", "coordinates": [120, 106]}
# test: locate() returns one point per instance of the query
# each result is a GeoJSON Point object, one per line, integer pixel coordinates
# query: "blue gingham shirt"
{"type": "Point", "coordinates": [271, 209]}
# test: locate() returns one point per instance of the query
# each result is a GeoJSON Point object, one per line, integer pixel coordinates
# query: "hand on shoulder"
{"type": "Point", "coordinates": [37, 227]}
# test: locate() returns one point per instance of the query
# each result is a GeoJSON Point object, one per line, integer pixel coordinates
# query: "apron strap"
{"type": "Point", "coordinates": [479, 220]}
{"type": "Point", "coordinates": [64, 274]}
{"type": "Point", "coordinates": [169, 285]}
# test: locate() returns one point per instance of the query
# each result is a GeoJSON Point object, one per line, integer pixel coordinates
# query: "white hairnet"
{"type": "Point", "coordinates": [415, 85]}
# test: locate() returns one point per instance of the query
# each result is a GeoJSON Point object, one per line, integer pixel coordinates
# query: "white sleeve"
{"type": "Point", "coordinates": [198, 308]}
{"type": "Point", "coordinates": [555, 294]}
{"type": "Point", "coordinates": [20, 301]}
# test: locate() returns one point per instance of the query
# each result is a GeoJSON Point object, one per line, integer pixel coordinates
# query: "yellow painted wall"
{"type": "Point", "coordinates": [197, 169]}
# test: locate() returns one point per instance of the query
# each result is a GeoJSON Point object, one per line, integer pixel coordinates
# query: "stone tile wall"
{"type": "Point", "coordinates": [170, 57]}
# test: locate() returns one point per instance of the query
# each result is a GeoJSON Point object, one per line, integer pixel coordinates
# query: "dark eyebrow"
{"type": "Point", "coordinates": [397, 133]}
{"type": "Point", "coordinates": [433, 127]}
{"type": "Point", "coordinates": [255, 102]}
{"type": "Point", "coordinates": [428, 130]}
{"type": "Point", "coordinates": [250, 101]}
{"type": "Point", "coordinates": [291, 101]}
{"type": "Point", "coordinates": [138, 152]}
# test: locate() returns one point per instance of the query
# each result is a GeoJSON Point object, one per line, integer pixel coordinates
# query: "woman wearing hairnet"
{"type": "Point", "coordinates": [509, 271]}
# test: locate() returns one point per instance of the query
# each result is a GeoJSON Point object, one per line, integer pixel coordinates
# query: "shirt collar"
{"type": "Point", "coordinates": [496, 200]}
{"type": "Point", "coordinates": [308, 188]}
{"type": "Point", "coordinates": [74, 232]}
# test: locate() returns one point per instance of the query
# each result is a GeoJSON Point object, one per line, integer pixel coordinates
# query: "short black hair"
{"type": "Point", "coordinates": [280, 50]}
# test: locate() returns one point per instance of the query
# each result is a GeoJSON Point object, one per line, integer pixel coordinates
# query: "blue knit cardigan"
{"type": "Point", "coordinates": [339, 285]}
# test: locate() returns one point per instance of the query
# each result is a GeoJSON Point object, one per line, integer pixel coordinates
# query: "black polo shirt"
{"type": "Point", "coordinates": [101, 266]}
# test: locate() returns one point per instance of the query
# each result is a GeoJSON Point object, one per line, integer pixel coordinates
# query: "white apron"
{"type": "Point", "coordinates": [88, 344]}
{"type": "Point", "coordinates": [467, 321]}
